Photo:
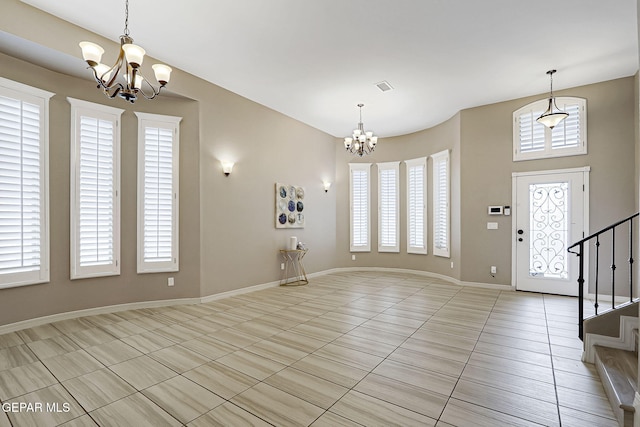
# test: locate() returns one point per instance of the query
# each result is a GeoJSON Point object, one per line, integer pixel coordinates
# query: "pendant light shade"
{"type": "Point", "coordinates": [162, 72]}
{"type": "Point", "coordinates": [134, 54]}
{"type": "Point", "coordinates": [553, 115]}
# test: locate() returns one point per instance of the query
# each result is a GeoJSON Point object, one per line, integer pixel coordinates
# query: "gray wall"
{"type": "Point", "coordinates": [227, 235]}
{"type": "Point", "coordinates": [481, 141]}
{"type": "Point", "coordinates": [487, 167]}
{"type": "Point", "coordinates": [239, 241]}
{"type": "Point", "coordinates": [418, 144]}
{"type": "Point", "coordinates": [228, 238]}
{"type": "Point", "coordinates": [62, 294]}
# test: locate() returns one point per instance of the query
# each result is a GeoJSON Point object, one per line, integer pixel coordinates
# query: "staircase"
{"type": "Point", "coordinates": [616, 360]}
{"type": "Point", "coordinates": [618, 370]}
{"type": "Point", "coordinates": [610, 336]}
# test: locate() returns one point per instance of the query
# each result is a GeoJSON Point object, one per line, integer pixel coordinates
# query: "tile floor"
{"type": "Point", "coordinates": [349, 349]}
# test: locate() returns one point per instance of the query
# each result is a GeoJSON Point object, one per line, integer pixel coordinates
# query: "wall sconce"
{"type": "Point", "coordinates": [326, 186]}
{"type": "Point", "coordinates": [227, 167]}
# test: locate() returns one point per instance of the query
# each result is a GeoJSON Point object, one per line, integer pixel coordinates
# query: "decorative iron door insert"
{"type": "Point", "coordinates": [549, 230]}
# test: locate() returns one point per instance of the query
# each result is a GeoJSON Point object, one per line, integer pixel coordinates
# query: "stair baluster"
{"type": "Point", "coordinates": [578, 249]}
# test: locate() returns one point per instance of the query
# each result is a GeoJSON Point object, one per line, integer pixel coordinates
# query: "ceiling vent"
{"type": "Point", "coordinates": [384, 86]}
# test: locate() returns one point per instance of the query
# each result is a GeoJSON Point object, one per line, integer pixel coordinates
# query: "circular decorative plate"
{"type": "Point", "coordinates": [299, 206]}
{"type": "Point", "coordinates": [282, 204]}
{"type": "Point", "coordinates": [292, 218]}
{"type": "Point", "coordinates": [292, 192]}
{"type": "Point", "coordinates": [282, 219]}
{"type": "Point", "coordinates": [292, 206]}
{"type": "Point", "coordinates": [300, 193]}
{"type": "Point", "coordinates": [300, 218]}
{"type": "Point", "coordinates": [283, 191]}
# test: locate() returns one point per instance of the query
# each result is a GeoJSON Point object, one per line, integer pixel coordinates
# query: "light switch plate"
{"type": "Point", "coordinates": [492, 226]}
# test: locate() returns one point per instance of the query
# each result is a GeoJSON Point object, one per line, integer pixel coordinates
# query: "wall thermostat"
{"type": "Point", "coordinates": [495, 210]}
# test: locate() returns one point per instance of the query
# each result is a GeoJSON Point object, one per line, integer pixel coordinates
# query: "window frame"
{"type": "Point", "coordinates": [35, 96]}
{"type": "Point", "coordinates": [382, 167]}
{"type": "Point", "coordinates": [436, 159]}
{"type": "Point", "coordinates": [535, 109]}
{"type": "Point", "coordinates": [81, 108]}
{"type": "Point", "coordinates": [365, 167]}
{"type": "Point", "coordinates": [420, 162]}
{"type": "Point", "coordinates": [146, 120]}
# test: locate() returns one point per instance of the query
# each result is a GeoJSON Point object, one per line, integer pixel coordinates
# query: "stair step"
{"type": "Point", "coordinates": [618, 371]}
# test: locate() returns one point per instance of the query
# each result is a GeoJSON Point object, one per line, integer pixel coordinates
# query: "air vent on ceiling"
{"type": "Point", "coordinates": [384, 86]}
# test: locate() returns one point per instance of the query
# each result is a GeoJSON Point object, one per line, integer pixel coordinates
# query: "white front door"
{"type": "Point", "coordinates": [549, 216]}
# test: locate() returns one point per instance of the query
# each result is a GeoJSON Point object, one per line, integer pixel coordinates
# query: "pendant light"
{"type": "Point", "coordinates": [128, 63]}
{"type": "Point", "coordinates": [360, 142]}
{"type": "Point", "coordinates": [553, 115]}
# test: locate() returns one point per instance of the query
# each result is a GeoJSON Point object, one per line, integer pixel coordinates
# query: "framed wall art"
{"type": "Point", "coordinates": [290, 206]}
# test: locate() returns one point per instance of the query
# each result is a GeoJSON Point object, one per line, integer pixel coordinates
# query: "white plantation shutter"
{"type": "Point", "coordinates": [96, 191]}
{"type": "Point", "coordinates": [531, 133]}
{"type": "Point", "coordinates": [360, 206]}
{"type": "Point", "coordinates": [24, 219]}
{"type": "Point", "coordinates": [388, 207]}
{"type": "Point", "coordinates": [567, 133]}
{"type": "Point", "coordinates": [416, 205]}
{"type": "Point", "coordinates": [532, 140]}
{"type": "Point", "coordinates": [20, 185]}
{"type": "Point", "coordinates": [158, 195]}
{"type": "Point", "coordinates": [95, 187]}
{"type": "Point", "coordinates": [158, 150]}
{"type": "Point", "coordinates": [441, 200]}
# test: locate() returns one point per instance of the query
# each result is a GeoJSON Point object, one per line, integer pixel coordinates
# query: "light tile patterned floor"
{"type": "Point", "coordinates": [349, 349]}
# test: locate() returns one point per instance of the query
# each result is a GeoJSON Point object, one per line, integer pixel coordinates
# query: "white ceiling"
{"type": "Point", "coordinates": [314, 60]}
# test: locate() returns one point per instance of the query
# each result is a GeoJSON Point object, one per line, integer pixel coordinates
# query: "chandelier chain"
{"type": "Point", "coordinates": [126, 18]}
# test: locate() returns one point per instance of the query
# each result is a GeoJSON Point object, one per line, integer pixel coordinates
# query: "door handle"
{"type": "Point", "coordinates": [520, 232]}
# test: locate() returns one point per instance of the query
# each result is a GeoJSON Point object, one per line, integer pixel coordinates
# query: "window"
{"type": "Point", "coordinates": [158, 150]}
{"type": "Point", "coordinates": [416, 205]}
{"type": "Point", "coordinates": [24, 192]}
{"type": "Point", "coordinates": [441, 200]}
{"type": "Point", "coordinates": [360, 214]}
{"type": "Point", "coordinates": [531, 140]}
{"type": "Point", "coordinates": [95, 189]}
{"type": "Point", "coordinates": [388, 207]}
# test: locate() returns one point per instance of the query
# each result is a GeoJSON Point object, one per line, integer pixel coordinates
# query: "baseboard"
{"type": "Point", "coordinates": [30, 323]}
{"type": "Point", "coordinates": [424, 274]}
{"type": "Point", "coordinates": [488, 286]}
{"type": "Point", "coordinates": [624, 341]}
{"type": "Point", "coordinates": [240, 291]}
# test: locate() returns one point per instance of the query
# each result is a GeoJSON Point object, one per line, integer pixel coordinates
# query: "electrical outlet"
{"type": "Point", "coordinates": [451, 264]}
{"type": "Point", "coordinates": [282, 266]}
{"type": "Point", "coordinates": [353, 257]}
{"type": "Point", "coordinates": [494, 269]}
{"type": "Point", "coordinates": [170, 281]}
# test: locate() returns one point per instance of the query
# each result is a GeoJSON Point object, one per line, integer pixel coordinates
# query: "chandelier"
{"type": "Point", "coordinates": [553, 115]}
{"type": "Point", "coordinates": [361, 142]}
{"type": "Point", "coordinates": [128, 63]}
